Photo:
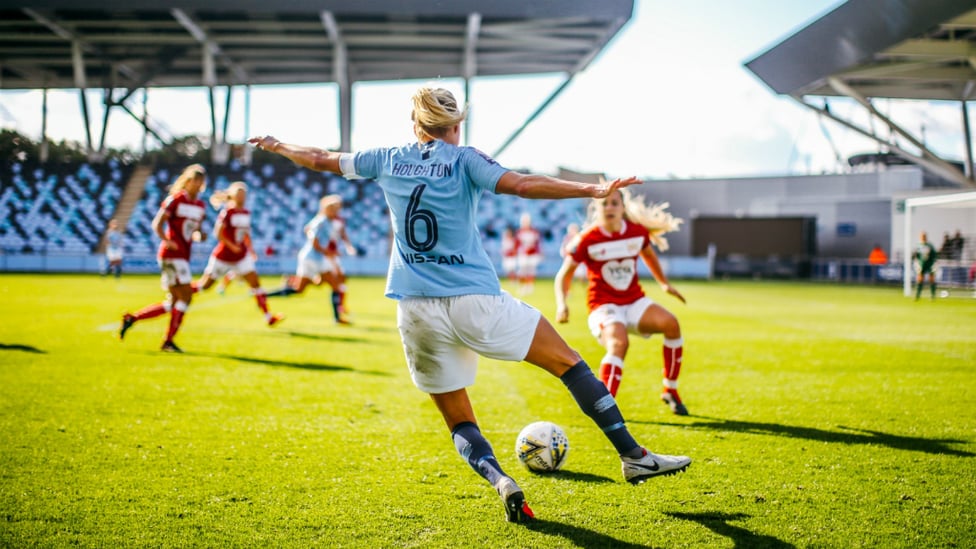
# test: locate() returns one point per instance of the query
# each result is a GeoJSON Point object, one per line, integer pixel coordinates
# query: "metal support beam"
{"type": "Point", "coordinates": [842, 88]}
{"type": "Point", "coordinates": [470, 68]}
{"type": "Point", "coordinates": [44, 142]}
{"type": "Point", "coordinates": [967, 132]}
{"type": "Point", "coordinates": [935, 167]}
{"type": "Point", "coordinates": [81, 82]}
{"type": "Point", "coordinates": [535, 114]}
{"type": "Point", "coordinates": [969, 139]}
{"type": "Point", "coordinates": [340, 73]}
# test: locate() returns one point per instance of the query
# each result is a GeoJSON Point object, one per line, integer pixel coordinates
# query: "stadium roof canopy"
{"type": "Point", "coordinates": [133, 44]}
{"type": "Point", "coordinates": [868, 49]}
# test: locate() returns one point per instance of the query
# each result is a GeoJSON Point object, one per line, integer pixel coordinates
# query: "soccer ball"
{"type": "Point", "coordinates": [542, 446]}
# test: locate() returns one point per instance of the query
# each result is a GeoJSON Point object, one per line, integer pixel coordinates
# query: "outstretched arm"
{"type": "Point", "coordinates": [544, 186]}
{"type": "Point", "coordinates": [312, 158]}
{"type": "Point", "coordinates": [564, 278]}
{"type": "Point", "coordinates": [650, 259]}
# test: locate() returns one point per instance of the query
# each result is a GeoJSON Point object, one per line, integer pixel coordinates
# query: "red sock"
{"type": "Point", "coordinates": [150, 311]}
{"type": "Point", "coordinates": [175, 319]}
{"type": "Point", "coordinates": [611, 371]}
{"type": "Point", "coordinates": [672, 358]}
{"type": "Point", "coordinates": [261, 299]}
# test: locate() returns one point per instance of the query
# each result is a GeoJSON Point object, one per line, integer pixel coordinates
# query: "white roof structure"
{"type": "Point", "coordinates": [869, 49]}
{"type": "Point", "coordinates": [128, 45]}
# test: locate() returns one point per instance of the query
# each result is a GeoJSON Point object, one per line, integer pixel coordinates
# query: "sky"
{"type": "Point", "coordinates": [669, 97]}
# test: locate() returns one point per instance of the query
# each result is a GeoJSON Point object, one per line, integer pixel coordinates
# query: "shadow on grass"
{"type": "Point", "coordinates": [287, 364]}
{"type": "Point", "coordinates": [719, 523]}
{"type": "Point", "coordinates": [576, 476]}
{"type": "Point", "coordinates": [849, 435]}
{"type": "Point", "coordinates": [325, 337]}
{"type": "Point", "coordinates": [19, 347]}
{"type": "Point", "coordinates": [579, 537]}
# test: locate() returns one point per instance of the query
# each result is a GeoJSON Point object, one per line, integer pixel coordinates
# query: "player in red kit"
{"type": "Point", "coordinates": [233, 253]}
{"type": "Point", "coordinates": [177, 224]}
{"type": "Point", "coordinates": [528, 244]}
{"type": "Point", "coordinates": [509, 253]}
{"type": "Point", "coordinates": [620, 231]}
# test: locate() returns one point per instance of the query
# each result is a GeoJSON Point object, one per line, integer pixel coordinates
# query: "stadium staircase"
{"type": "Point", "coordinates": [134, 189]}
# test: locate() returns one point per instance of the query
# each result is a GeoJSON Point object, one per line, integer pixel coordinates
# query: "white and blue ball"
{"type": "Point", "coordinates": [542, 446]}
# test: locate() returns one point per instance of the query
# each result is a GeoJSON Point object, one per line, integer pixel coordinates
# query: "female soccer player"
{"type": "Point", "coordinates": [509, 253]}
{"type": "Point", "coordinates": [924, 257]}
{"type": "Point", "coordinates": [450, 305]}
{"type": "Point", "coordinates": [318, 260]}
{"type": "Point", "coordinates": [528, 245]}
{"type": "Point", "coordinates": [233, 252]}
{"type": "Point", "coordinates": [619, 231]}
{"type": "Point", "coordinates": [113, 249]}
{"type": "Point", "coordinates": [181, 213]}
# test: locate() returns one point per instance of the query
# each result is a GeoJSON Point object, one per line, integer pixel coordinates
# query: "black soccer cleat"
{"type": "Point", "coordinates": [170, 347]}
{"type": "Point", "coordinates": [127, 322]}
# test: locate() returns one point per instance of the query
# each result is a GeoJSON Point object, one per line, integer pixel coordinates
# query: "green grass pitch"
{"type": "Point", "coordinates": [822, 416]}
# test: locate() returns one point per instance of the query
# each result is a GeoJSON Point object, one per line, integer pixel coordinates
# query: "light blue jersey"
{"type": "Point", "coordinates": [115, 239]}
{"type": "Point", "coordinates": [317, 228]}
{"type": "Point", "coordinates": [432, 191]}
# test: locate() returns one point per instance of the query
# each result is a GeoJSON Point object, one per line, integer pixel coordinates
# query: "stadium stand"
{"type": "Point", "coordinates": [283, 197]}
{"type": "Point", "coordinates": [63, 210]}
{"type": "Point", "coordinates": [57, 208]}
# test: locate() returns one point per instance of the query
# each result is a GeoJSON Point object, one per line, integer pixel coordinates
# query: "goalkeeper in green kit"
{"type": "Point", "coordinates": [925, 255]}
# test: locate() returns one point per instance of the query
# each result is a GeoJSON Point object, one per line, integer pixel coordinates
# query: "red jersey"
{"type": "Point", "coordinates": [528, 241]}
{"type": "Point", "coordinates": [184, 216]}
{"type": "Point", "coordinates": [336, 226]}
{"type": "Point", "coordinates": [508, 245]}
{"type": "Point", "coordinates": [611, 264]}
{"type": "Point", "coordinates": [233, 224]}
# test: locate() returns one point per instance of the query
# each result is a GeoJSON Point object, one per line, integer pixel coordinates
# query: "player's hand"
{"type": "Point", "coordinates": [673, 291]}
{"type": "Point", "coordinates": [171, 244]}
{"type": "Point", "coordinates": [562, 314]}
{"type": "Point", "coordinates": [606, 188]}
{"type": "Point", "coordinates": [265, 143]}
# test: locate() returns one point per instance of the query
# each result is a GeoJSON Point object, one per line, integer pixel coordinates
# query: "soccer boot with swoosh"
{"type": "Point", "coordinates": [637, 470]}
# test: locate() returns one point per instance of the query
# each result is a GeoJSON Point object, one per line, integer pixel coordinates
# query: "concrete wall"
{"type": "Point", "coordinates": [853, 211]}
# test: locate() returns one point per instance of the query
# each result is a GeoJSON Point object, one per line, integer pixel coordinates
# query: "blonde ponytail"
{"type": "Point", "coordinates": [435, 110]}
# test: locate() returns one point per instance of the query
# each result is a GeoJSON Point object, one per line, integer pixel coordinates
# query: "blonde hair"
{"type": "Point", "coordinates": [653, 217]}
{"type": "Point", "coordinates": [329, 200]}
{"type": "Point", "coordinates": [190, 173]}
{"type": "Point", "coordinates": [220, 198]}
{"type": "Point", "coordinates": [435, 110]}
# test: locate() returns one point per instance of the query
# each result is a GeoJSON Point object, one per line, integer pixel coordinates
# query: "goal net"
{"type": "Point", "coordinates": [949, 221]}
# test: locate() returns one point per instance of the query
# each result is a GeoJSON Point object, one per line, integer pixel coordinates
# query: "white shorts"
{"type": "Point", "coordinates": [311, 268]}
{"type": "Point", "coordinates": [174, 272]}
{"type": "Point", "coordinates": [508, 264]}
{"type": "Point", "coordinates": [113, 254]}
{"type": "Point", "coordinates": [528, 263]}
{"type": "Point", "coordinates": [628, 315]}
{"type": "Point", "coordinates": [443, 336]}
{"type": "Point", "coordinates": [217, 268]}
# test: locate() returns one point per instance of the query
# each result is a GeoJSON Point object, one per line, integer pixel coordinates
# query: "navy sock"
{"type": "Point", "coordinates": [474, 448]}
{"type": "Point", "coordinates": [597, 402]}
{"type": "Point", "coordinates": [336, 300]}
{"type": "Point", "coordinates": [283, 291]}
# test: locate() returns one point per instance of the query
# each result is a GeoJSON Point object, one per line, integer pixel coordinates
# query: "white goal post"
{"type": "Point", "coordinates": [937, 215]}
